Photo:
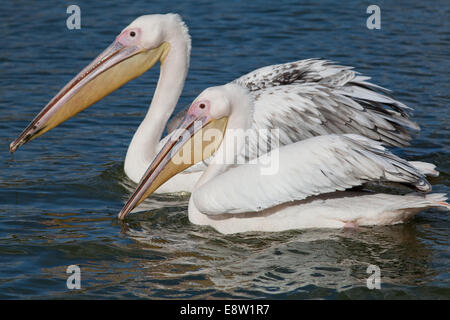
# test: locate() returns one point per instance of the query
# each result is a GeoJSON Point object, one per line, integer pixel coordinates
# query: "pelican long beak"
{"type": "Point", "coordinates": [196, 139]}
{"type": "Point", "coordinates": [114, 67]}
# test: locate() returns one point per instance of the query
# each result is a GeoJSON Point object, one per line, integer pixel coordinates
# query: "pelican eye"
{"type": "Point", "coordinates": [202, 106]}
{"type": "Point", "coordinates": [132, 33]}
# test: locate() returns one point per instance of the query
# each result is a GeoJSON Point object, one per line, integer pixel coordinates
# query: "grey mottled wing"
{"type": "Point", "coordinates": [314, 97]}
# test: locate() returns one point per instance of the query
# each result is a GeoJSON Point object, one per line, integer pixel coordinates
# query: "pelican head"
{"type": "Point", "coordinates": [135, 50]}
{"type": "Point", "coordinates": [202, 133]}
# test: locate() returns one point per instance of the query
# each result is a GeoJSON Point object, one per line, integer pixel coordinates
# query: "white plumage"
{"type": "Point", "coordinates": [311, 187]}
{"type": "Point", "coordinates": [336, 210]}
{"type": "Point", "coordinates": [311, 167]}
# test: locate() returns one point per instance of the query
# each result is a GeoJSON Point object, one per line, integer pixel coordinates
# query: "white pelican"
{"type": "Point", "coordinates": [303, 99]}
{"type": "Point", "coordinates": [307, 191]}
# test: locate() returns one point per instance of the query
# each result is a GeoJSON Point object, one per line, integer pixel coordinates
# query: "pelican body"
{"type": "Point", "coordinates": [310, 188]}
{"type": "Point", "coordinates": [301, 99]}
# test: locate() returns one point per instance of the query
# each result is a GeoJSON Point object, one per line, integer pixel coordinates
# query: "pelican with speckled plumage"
{"type": "Point", "coordinates": [310, 189]}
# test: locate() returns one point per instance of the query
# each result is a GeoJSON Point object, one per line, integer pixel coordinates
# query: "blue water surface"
{"type": "Point", "coordinates": [60, 194]}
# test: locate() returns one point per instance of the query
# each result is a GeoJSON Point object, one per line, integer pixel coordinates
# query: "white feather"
{"type": "Point", "coordinates": [311, 167]}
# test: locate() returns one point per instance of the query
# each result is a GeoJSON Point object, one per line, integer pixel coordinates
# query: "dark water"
{"type": "Point", "coordinates": [60, 194]}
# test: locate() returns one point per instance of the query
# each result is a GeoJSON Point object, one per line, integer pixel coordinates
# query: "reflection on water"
{"type": "Point", "coordinates": [60, 194]}
{"type": "Point", "coordinates": [165, 256]}
{"type": "Point", "coordinates": [256, 265]}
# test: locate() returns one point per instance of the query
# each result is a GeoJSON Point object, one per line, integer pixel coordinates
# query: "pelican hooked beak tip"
{"type": "Point", "coordinates": [13, 146]}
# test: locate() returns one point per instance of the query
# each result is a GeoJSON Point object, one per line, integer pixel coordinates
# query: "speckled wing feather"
{"type": "Point", "coordinates": [315, 97]}
{"type": "Point", "coordinates": [307, 168]}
